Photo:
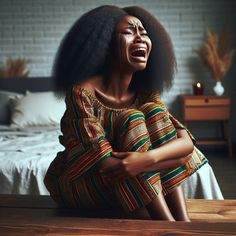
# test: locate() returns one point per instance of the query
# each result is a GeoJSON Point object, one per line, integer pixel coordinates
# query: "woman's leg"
{"type": "Point", "coordinates": [171, 181]}
{"type": "Point", "coordinates": [142, 190]}
{"type": "Point", "coordinates": [161, 130]}
{"type": "Point", "coordinates": [177, 204]}
{"type": "Point", "coordinates": [159, 210]}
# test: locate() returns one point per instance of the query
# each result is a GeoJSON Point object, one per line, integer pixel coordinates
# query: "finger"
{"type": "Point", "coordinates": [120, 155]}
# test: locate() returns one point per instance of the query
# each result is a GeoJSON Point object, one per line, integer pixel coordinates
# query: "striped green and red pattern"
{"type": "Point", "coordinates": [91, 131]}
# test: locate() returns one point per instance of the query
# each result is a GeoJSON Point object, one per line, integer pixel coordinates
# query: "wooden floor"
{"type": "Point", "coordinates": [27, 215]}
{"type": "Point", "coordinates": [224, 169]}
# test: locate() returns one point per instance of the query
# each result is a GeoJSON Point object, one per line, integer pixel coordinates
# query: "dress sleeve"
{"type": "Point", "coordinates": [179, 125]}
{"type": "Point", "coordinates": [83, 135]}
{"type": "Point", "coordinates": [155, 97]}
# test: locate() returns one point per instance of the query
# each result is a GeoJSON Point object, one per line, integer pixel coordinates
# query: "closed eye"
{"type": "Point", "coordinates": [127, 32]}
{"type": "Point", "coordinates": [144, 33]}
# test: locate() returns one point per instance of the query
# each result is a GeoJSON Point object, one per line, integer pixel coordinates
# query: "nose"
{"type": "Point", "coordinates": [138, 38]}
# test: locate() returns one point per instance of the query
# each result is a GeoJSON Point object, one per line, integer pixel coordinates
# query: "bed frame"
{"type": "Point", "coordinates": [33, 84]}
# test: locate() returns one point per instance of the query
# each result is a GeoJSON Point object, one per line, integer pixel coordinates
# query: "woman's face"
{"type": "Point", "coordinates": [134, 45]}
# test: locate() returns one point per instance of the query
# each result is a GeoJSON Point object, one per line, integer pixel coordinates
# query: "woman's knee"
{"type": "Point", "coordinates": [129, 117]}
{"type": "Point", "coordinates": [151, 108]}
{"type": "Point", "coordinates": [131, 131]}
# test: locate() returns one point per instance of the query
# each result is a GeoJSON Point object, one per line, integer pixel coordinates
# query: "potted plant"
{"type": "Point", "coordinates": [216, 54]}
{"type": "Point", "coordinates": [15, 68]}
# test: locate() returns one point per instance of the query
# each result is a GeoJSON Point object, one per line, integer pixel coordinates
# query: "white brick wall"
{"type": "Point", "coordinates": [33, 29]}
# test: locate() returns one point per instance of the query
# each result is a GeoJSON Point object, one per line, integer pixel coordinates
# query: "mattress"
{"type": "Point", "coordinates": [25, 154]}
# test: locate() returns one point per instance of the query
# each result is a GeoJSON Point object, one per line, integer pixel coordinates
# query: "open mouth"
{"type": "Point", "coordinates": [138, 52]}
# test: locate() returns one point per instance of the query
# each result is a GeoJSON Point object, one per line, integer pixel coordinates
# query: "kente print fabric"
{"type": "Point", "coordinates": [91, 131]}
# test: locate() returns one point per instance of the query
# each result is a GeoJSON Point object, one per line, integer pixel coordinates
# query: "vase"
{"type": "Point", "coordinates": [218, 88]}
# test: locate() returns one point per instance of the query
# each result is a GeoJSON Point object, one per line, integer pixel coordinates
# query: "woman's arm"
{"type": "Point", "coordinates": [169, 155]}
{"type": "Point", "coordinates": [170, 163]}
{"type": "Point", "coordinates": [177, 148]}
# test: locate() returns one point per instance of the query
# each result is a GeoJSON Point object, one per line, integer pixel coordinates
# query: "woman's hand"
{"type": "Point", "coordinates": [109, 163]}
{"type": "Point", "coordinates": [128, 164]}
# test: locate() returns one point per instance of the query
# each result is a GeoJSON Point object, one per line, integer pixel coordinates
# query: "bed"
{"type": "Point", "coordinates": [29, 129]}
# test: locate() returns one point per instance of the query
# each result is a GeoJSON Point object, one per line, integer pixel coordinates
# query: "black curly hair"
{"type": "Point", "coordinates": [86, 50]}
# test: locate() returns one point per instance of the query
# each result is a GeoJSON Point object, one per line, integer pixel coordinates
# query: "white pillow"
{"type": "Point", "coordinates": [36, 109]}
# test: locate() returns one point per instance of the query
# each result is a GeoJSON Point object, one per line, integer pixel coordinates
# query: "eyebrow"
{"type": "Point", "coordinates": [131, 26]}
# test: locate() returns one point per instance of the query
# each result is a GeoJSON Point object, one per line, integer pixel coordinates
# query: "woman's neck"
{"type": "Point", "coordinates": [117, 85]}
{"type": "Point", "coordinates": [115, 90]}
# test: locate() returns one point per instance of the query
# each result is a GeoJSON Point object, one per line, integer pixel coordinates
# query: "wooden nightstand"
{"type": "Point", "coordinates": [209, 108]}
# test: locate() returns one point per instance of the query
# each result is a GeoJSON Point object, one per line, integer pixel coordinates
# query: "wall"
{"type": "Point", "coordinates": [34, 28]}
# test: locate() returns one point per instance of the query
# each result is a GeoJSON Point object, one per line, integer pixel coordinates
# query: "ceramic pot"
{"type": "Point", "coordinates": [218, 88]}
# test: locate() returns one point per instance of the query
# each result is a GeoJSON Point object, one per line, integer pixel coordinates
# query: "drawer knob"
{"type": "Point", "coordinates": [206, 100]}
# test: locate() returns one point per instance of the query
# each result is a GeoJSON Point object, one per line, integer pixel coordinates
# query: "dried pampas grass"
{"type": "Point", "coordinates": [15, 68]}
{"type": "Point", "coordinates": [216, 53]}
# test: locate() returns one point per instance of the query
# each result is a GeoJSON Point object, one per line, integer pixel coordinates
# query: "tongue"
{"type": "Point", "coordinates": [138, 54]}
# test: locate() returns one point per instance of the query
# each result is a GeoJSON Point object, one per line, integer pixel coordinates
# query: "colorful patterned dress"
{"type": "Point", "coordinates": [91, 131]}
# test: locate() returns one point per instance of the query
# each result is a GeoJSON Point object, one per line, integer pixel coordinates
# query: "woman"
{"type": "Point", "coordinates": [122, 147]}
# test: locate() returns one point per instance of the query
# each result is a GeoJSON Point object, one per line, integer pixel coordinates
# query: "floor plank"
{"type": "Point", "coordinates": [28, 215]}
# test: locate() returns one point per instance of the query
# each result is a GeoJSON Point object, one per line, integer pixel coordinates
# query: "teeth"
{"type": "Point", "coordinates": [138, 49]}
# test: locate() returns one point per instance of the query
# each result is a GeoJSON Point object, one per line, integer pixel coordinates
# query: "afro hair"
{"type": "Point", "coordinates": [86, 50]}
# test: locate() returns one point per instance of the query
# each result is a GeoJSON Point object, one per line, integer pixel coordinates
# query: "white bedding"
{"type": "Point", "coordinates": [25, 154]}
{"type": "Point", "coordinates": [202, 184]}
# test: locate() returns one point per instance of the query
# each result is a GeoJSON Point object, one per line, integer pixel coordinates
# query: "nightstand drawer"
{"type": "Point", "coordinates": [206, 108]}
{"type": "Point", "coordinates": [207, 102]}
{"type": "Point", "coordinates": [206, 113]}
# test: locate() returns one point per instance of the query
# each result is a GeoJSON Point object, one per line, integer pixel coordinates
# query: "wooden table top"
{"type": "Point", "coordinates": [39, 215]}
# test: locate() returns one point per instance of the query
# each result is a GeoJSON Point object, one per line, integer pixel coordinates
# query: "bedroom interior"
{"type": "Point", "coordinates": [30, 118]}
